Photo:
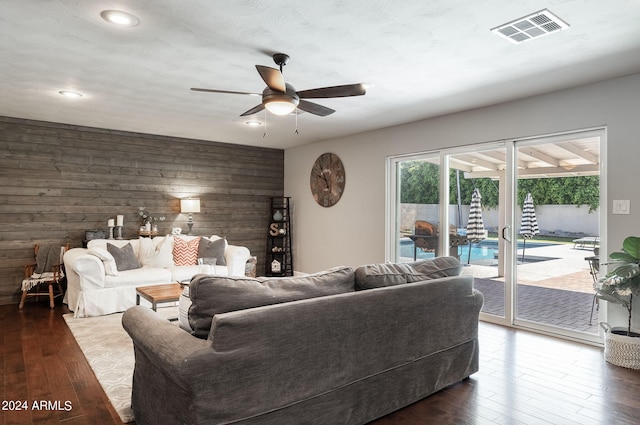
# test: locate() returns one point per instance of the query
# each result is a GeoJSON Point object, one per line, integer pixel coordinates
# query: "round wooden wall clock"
{"type": "Point", "coordinates": [327, 179]}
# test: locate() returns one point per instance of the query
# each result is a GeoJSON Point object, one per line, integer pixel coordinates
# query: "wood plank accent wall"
{"type": "Point", "coordinates": [58, 180]}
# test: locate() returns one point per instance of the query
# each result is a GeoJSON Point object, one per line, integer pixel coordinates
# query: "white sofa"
{"type": "Point", "coordinates": [95, 287]}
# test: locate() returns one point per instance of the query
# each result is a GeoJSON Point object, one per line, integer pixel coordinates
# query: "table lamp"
{"type": "Point", "coordinates": [190, 205]}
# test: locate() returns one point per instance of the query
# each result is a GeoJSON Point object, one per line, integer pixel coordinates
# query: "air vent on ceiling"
{"type": "Point", "coordinates": [529, 27]}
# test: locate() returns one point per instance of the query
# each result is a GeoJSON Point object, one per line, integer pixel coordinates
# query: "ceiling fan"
{"type": "Point", "coordinates": [281, 98]}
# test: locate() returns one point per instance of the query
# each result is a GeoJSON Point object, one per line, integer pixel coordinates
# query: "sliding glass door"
{"type": "Point", "coordinates": [452, 203]}
{"type": "Point", "coordinates": [557, 211]}
{"type": "Point", "coordinates": [477, 197]}
{"type": "Point", "coordinates": [521, 215]}
{"type": "Point", "coordinates": [417, 207]}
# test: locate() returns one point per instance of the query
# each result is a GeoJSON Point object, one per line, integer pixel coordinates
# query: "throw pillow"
{"type": "Point", "coordinates": [185, 253]}
{"type": "Point", "coordinates": [213, 249]}
{"type": "Point", "coordinates": [102, 243]}
{"type": "Point", "coordinates": [434, 269]}
{"type": "Point", "coordinates": [159, 254]}
{"type": "Point", "coordinates": [389, 274]}
{"type": "Point", "coordinates": [211, 295]}
{"type": "Point", "coordinates": [125, 257]}
{"type": "Point", "coordinates": [108, 261]}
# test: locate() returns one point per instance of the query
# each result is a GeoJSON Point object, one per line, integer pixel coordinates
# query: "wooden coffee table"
{"type": "Point", "coordinates": [157, 294]}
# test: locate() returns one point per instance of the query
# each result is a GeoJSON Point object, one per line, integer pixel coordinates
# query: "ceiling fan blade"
{"type": "Point", "coordinates": [273, 78]}
{"type": "Point", "coordinates": [224, 91]}
{"type": "Point", "coordinates": [253, 110]}
{"type": "Point", "coordinates": [335, 91]}
{"type": "Point", "coordinates": [314, 108]}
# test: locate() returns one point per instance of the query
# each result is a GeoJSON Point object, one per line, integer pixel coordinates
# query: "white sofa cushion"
{"type": "Point", "coordinates": [185, 273]}
{"type": "Point", "coordinates": [139, 277]}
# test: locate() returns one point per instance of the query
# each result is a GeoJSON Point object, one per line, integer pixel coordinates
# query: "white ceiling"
{"type": "Point", "coordinates": [423, 58]}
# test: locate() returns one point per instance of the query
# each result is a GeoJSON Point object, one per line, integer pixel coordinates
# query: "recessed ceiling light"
{"type": "Point", "coordinates": [70, 93]}
{"type": "Point", "coordinates": [531, 26]}
{"type": "Point", "coordinates": [253, 123]}
{"type": "Point", "coordinates": [118, 17]}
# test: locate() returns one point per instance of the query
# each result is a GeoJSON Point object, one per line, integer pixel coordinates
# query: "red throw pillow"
{"type": "Point", "coordinates": [185, 253]}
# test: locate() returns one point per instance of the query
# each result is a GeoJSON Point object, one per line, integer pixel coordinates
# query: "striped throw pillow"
{"type": "Point", "coordinates": [185, 253]}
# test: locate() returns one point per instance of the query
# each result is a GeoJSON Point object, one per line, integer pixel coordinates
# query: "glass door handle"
{"type": "Point", "coordinates": [506, 235]}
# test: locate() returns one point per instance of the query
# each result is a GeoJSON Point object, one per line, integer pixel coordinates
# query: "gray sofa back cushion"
{"type": "Point", "coordinates": [389, 274]}
{"type": "Point", "coordinates": [211, 295]}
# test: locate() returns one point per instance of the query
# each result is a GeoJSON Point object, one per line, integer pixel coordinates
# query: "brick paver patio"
{"type": "Point", "coordinates": [557, 291]}
{"type": "Point", "coordinates": [557, 307]}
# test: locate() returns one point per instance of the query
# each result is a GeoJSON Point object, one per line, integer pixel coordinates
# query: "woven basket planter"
{"type": "Point", "coordinates": [621, 350]}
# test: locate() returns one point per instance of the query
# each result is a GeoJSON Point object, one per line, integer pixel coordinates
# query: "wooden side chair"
{"type": "Point", "coordinates": [44, 274]}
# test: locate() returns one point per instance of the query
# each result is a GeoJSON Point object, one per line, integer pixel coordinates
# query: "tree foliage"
{"type": "Point", "coordinates": [420, 184]}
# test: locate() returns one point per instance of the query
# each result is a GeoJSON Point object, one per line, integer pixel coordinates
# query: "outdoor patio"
{"type": "Point", "coordinates": [557, 291]}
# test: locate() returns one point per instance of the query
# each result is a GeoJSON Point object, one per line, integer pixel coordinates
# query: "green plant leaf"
{"type": "Point", "coordinates": [627, 271]}
{"type": "Point", "coordinates": [631, 246]}
{"type": "Point", "coordinates": [622, 256]}
{"type": "Point", "coordinates": [612, 298]}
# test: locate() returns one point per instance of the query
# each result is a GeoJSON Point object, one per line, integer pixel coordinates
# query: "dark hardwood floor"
{"type": "Point", "coordinates": [41, 363]}
{"type": "Point", "coordinates": [524, 379]}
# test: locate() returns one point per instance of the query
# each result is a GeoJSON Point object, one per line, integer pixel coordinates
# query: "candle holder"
{"type": "Point", "coordinates": [119, 232]}
{"type": "Point", "coordinates": [110, 232]}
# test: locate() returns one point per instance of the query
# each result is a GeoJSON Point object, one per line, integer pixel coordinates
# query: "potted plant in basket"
{"type": "Point", "coordinates": [622, 346]}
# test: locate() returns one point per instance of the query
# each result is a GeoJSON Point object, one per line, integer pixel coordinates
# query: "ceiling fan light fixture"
{"type": "Point", "coordinates": [280, 106]}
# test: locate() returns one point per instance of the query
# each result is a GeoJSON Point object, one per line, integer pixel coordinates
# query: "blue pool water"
{"type": "Point", "coordinates": [481, 252]}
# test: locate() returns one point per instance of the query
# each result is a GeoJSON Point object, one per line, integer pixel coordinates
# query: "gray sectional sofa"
{"type": "Point", "coordinates": [362, 345]}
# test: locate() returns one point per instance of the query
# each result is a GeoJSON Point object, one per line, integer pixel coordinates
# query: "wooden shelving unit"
{"type": "Point", "coordinates": [279, 258]}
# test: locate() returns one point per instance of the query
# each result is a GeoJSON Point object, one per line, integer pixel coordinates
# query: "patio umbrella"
{"type": "Point", "coordinates": [475, 225]}
{"type": "Point", "coordinates": [529, 224]}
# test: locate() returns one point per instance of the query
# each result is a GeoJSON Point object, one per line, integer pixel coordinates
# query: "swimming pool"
{"type": "Point", "coordinates": [483, 252]}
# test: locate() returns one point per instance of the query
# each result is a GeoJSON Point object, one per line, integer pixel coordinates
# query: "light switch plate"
{"type": "Point", "coordinates": [621, 206]}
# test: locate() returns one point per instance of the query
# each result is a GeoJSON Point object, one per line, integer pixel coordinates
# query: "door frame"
{"type": "Point", "coordinates": [507, 218]}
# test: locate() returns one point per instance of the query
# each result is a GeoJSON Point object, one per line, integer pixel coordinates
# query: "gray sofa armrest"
{"type": "Point", "coordinates": [161, 342]}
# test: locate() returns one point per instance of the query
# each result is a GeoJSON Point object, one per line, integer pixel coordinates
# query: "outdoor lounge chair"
{"type": "Point", "coordinates": [587, 241]}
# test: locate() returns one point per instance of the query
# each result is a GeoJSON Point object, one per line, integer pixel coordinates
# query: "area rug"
{"type": "Point", "coordinates": [109, 351]}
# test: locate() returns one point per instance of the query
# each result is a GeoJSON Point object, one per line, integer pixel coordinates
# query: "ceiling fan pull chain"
{"type": "Point", "coordinates": [265, 125]}
{"type": "Point", "coordinates": [296, 132]}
